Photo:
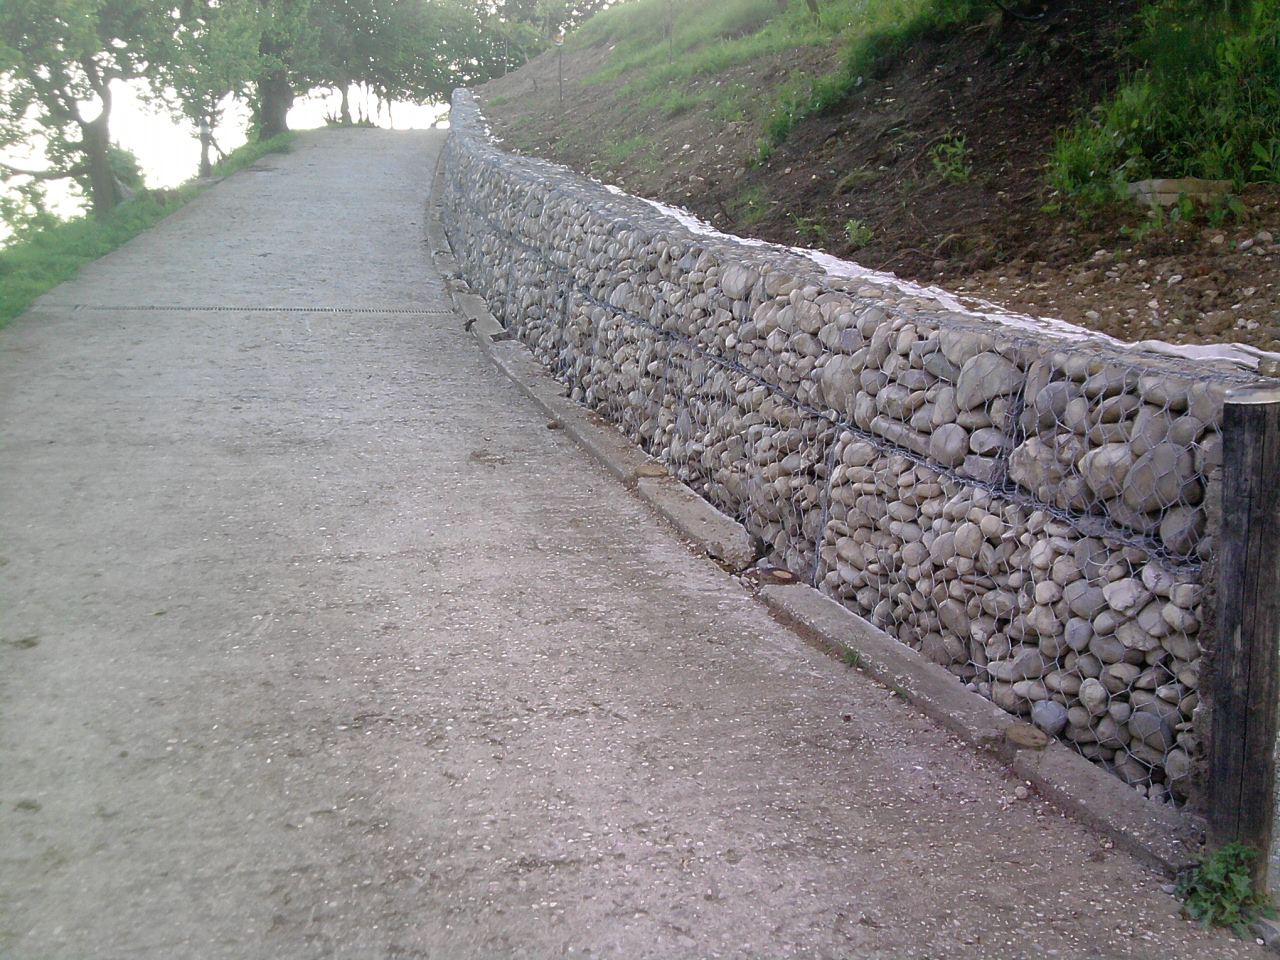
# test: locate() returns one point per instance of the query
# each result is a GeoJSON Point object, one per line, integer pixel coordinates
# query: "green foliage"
{"type": "Point", "coordinates": [210, 53]}
{"type": "Point", "coordinates": [49, 251]}
{"type": "Point", "coordinates": [1219, 892]}
{"type": "Point", "coordinates": [59, 60]}
{"type": "Point", "coordinates": [950, 157]}
{"type": "Point", "coordinates": [810, 228]}
{"type": "Point", "coordinates": [1204, 102]}
{"type": "Point", "coordinates": [851, 659]}
{"type": "Point", "coordinates": [858, 234]}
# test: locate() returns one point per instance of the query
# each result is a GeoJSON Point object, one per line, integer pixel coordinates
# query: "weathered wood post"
{"type": "Point", "coordinates": [1242, 767]}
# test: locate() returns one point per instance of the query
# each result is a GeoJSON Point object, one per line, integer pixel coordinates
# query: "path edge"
{"type": "Point", "coordinates": [1165, 839]}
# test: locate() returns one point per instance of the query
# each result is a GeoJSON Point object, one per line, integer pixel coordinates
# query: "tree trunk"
{"type": "Point", "coordinates": [345, 115]}
{"type": "Point", "coordinates": [275, 97]}
{"type": "Point", "coordinates": [104, 192]}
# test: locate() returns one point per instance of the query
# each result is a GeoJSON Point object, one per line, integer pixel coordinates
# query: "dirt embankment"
{"type": "Point", "coordinates": [934, 170]}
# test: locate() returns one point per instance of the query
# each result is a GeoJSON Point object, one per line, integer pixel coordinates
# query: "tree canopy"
{"type": "Point", "coordinates": [61, 60]}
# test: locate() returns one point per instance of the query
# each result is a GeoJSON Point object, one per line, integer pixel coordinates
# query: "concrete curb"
{"type": "Point", "coordinates": [1162, 838]}
{"type": "Point", "coordinates": [719, 536]}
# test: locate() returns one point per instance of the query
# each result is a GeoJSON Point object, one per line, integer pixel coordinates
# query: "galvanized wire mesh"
{"type": "Point", "coordinates": [1031, 514]}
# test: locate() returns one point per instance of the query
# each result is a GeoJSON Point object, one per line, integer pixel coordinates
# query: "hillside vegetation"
{"type": "Point", "coordinates": [949, 142]}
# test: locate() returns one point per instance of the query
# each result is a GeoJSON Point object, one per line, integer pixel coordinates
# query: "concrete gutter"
{"type": "Point", "coordinates": [1162, 837]}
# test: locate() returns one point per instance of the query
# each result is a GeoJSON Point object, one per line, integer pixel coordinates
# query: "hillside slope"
{"type": "Point", "coordinates": [933, 169]}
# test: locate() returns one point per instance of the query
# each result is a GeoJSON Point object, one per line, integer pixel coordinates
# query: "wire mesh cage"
{"type": "Point", "coordinates": [1031, 511]}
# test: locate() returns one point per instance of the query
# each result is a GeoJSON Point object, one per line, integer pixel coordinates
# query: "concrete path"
{"type": "Point", "coordinates": [317, 643]}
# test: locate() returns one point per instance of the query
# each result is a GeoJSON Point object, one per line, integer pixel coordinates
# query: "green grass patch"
{"type": "Point", "coordinates": [888, 28]}
{"type": "Point", "coordinates": [1219, 892]}
{"type": "Point", "coordinates": [617, 153]}
{"type": "Point", "coordinates": [750, 206]}
{"type": "Point", "coordinates": [41, 259]}
{"type": "Point", "coordinates": [1203, 101]}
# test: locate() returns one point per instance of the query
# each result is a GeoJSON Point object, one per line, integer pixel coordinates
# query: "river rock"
{"type": "Point", "coordinates": [984, 377]}
{"type": "Point", "coordinates": [1106, 468]}
{"type": "Point", "coordinates": [1160, 478]}
{"type": "Point", "coordinates": [1094, 697]}
{"type": "Point", "coordinates": [949, 444]}
{"type": "Point", "coordinates": [1050, 716]}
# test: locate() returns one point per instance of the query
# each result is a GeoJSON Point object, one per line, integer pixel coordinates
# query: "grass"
{"type": "Point", "coordinates": [40, 260]}
{"type": "Point", "coordinates": [1203, 101]}
{"type": "Point", "coordinates": [751, 206]}
{"type": "Point", "coordinates": [616, 153]}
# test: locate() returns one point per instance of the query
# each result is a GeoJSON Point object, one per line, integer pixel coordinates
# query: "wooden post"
{"type": "Point", "coordinates": [1242, 765]}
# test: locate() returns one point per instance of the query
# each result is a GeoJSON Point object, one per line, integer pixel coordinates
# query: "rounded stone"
{"type": "Point", "coordinates": [1094, 697]}
{"type": "Point", "coordinates": [949, 444]}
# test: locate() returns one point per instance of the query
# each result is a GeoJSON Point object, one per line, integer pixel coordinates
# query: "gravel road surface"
{"type": "Point", "coordinates": [318, 643]}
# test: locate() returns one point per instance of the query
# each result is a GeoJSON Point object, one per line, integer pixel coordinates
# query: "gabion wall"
{"type": "Point", "coordinates": [1030, 508]}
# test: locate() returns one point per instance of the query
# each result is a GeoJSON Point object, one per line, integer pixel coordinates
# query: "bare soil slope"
{"type": "Point", "coordinates": [934, 169]}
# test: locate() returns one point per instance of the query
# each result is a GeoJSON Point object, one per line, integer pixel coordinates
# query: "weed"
{"type": "Point", "coordinates": [858, 234]}
{"type": "Point", "coordinates": [950, 157]}
{"type": "Point", "coordinates": [851, 659]}
{"type": "Point", "coordinates": [1219, 892]}
{"type": "Point", "coordinates": [810, 228]}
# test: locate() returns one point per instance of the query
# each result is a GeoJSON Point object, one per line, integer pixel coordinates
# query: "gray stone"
{"type": "Point", "coordinates": [938, 364]}
{"type": "Point", "coordinates": [1179, 619]}
{"type": "Point", "coordinates": [1050, 716]}
{"type": "Point", "coordinates": [1026, 663]}
{"type": "Point", "coordinates": [984, 377]}
{"type": "Point", "coordinates": [949, 444]}
{"type": "Point", "coordinates": [1094, 697]}
{"type": "Point", "coordinates": [1181, 646]}
{"type": "Point", "coordinates": [1107, 649]}
{"type": "Point", "coordinates": [988, 441]}
{"type": "Point", "coordinates": [1153, 728]}
{"type": "Point", "coordinates": [982, 469]}
{"type": "Point", "coordinates": [968, 539]}
{"type": "Point", "coordinates": [1106, 468]}
{"type": "Point", "coordinates": [1000, 604]}
{"type": "Point", "coordinates": [1078, 633]}
{"type": "Point", "coordinates": [1126, 596]}
{"type": "Point", "coordinates": [1084, 599]}
{"type": "Point", "coordinates": [1110, 734]}
{"type": "Point", "coordinates": [1042, 621]}
{"type": "Point", "coordinates": [737, 281]}
{"type": "Point", "coordinates": [839, 382]}
{"type": "Point", "coordinates": [1158, 579]}
{"type": "Point", "coordinates": [1182, 529]}
{"type": "Point", "coordinates": [1150, 619]}
{"type": "Point", "coordinates": [897, 401]}
{"type": "Point", "coordinates": [1160, 478]}
{"type": "Point", "coordinates": [1177, 764]}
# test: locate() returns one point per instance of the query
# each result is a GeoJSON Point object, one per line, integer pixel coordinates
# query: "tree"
{"type": "Point", "coordinates": [59, 61]}
{"type": "Point", "coordinates": [210, 55]}
{"type": "Point", "coordinates": [287, 47]}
